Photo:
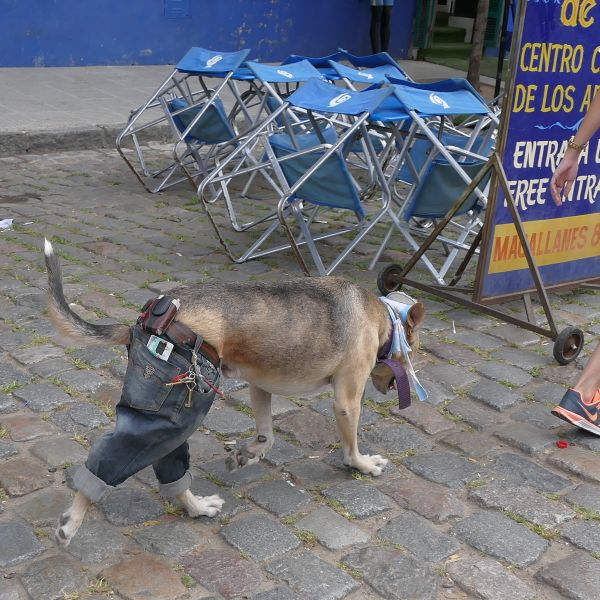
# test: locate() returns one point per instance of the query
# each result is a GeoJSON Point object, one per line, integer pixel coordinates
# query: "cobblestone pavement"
{"type": "Point", "coordinates": [477, 502]}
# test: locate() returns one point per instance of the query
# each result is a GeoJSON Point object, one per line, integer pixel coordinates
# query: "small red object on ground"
{"type": "Point", "coordinates": [562, 444]}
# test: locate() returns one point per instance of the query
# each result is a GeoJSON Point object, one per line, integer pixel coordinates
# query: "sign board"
{"type": "Point", "coordinates": [555, 63]}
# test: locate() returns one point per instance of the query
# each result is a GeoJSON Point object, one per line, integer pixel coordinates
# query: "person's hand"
{"type": "Point", "coordinates": [564, 176]}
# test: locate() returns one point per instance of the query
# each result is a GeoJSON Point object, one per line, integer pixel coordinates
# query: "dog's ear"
{"type": "Point", "coordinates": [415, 316]}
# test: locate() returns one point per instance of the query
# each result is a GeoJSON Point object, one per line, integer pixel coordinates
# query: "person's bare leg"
{"type": "Point", "coordinates": [589, 382]}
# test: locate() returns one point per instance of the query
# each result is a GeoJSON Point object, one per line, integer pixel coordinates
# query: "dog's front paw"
{"type": "Point", "coordinates": [370, 464]}
{"type": "Point", "coordinates": [241, 458]}
{"type": "Point", "coordinates": [197, 506]}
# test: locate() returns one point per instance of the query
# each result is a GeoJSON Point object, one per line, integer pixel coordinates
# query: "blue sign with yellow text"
{"type": "Point", "coordinates": [556, 77]}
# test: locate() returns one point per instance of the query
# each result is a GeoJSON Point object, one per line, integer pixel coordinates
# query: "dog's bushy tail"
{"type": "Point", "coordinates": [69, 323]}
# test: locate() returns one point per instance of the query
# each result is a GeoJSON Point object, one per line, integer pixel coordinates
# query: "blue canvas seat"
{"type": "Point", "coordinates": [212, 128]}
{"type": "Point", "coordinates": [192, 110]}
{"type": "Point", "coordinates": [331, 185]}
{"type": "Point", "coordinates": [421, 149]}
{"type": "Point", "coordinates": [439, 188]}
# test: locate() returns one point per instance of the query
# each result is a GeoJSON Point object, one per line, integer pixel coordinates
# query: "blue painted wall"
{"type": "Point", "coordinates": [53, 33]}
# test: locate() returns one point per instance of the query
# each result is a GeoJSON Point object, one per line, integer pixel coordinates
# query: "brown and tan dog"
{"type": "Point", "coordinates": [285, 338]}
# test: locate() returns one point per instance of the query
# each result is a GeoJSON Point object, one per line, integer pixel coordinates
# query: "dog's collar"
{"type": "Point", "coordinates": [397, 342]}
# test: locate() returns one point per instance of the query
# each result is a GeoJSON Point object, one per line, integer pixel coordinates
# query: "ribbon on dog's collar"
{"type": "Point", "coordinates": [398, 343]}
{"type": "Point", "coordinates": [402, 383]}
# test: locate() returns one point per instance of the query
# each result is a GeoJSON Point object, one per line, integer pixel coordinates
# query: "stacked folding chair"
{"type": "Point", "coordinates": [321, 63]}
{"type": "Point", "coordinates": [307, 153]}
{"type": "Point", "coordinates": [189, 106]}
{"type": "Point", "coordinates": [352, 76]}
{"type": "Point", "coordinates": [273, 84]}
{"type": "Point", "coordinates": [438, 162]}
{"type": "Point", "coordinates": [370, 76]}
{"type": "Point", "coordinates": [369, 61]}
{"type": "Point", "coordinates": [236, 183]}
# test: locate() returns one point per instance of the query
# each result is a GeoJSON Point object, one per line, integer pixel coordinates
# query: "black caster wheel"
{"type": "Point", "coordinates": [568, 345]}
{"type": "Point", "coordinates": [388, 280]}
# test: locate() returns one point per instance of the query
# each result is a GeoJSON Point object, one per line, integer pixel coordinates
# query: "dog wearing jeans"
{"type": "Point", "coordinates": [283, 338]}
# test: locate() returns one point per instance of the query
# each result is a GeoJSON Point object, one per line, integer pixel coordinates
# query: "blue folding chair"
{"type": "Point", "coordinates": [369, 61]}
{"type": "Point", "coordinates": [194, 115]}
{"type": "Point", "coordinates": [354, 77]}
{"type": "Point", "coordinates": [309, 159]}
{"type": "Point", "coordinates": [422, 148]}
{"type": "Point", "coordinates": [375, 75]}
{"type": "Point", "coordinates": [439, 164]}
{"type": "Point", "coordinates": [435, 194]}
{"type": "Point", "coordinates": [274, 83]}
{"type": "Point", "coordinates": [321, 63]}
{"type": "Point", "coordinates": [270, 84]}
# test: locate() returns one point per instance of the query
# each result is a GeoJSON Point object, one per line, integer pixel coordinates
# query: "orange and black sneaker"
{"type": "Point", "coordinates": [582, 414]}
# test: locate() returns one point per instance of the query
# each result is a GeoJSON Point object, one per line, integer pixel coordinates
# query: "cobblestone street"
{"type": "Point", "coordinates": [477, 500]}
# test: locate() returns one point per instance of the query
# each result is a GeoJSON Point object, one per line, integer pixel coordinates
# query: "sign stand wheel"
{"type": "Point", "coordinates": [388, 280]}
{"type": "Point", "coordinates": [568, 345]}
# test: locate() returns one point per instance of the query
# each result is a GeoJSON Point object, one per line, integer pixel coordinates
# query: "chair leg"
{"type": "Point", "coordinates": [453, 253]}
{"type": "Point", "coordinates": [382, 247]}
{"type": "Point", "coordinates": [312, 248]}
{"type": "Point", "coordinates": [249, 254]}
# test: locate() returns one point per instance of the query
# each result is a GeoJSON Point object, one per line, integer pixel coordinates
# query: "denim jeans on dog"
{"type": "Point", "coordinates": [153, 423]}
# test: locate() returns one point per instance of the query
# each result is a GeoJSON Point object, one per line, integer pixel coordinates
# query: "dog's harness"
{"type": "Point", "coordinates": [158, 318]}
{"type": "Point", "coordinates": [397, 342]}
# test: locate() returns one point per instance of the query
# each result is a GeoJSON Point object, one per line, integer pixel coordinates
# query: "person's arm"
{"type": "Point", "coordinates": [566, 172]}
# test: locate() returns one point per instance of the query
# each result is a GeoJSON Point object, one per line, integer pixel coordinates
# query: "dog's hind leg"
{"type": "Point", "coordinates": [348, 388]}
{"type": "Point", "coordinates": [196, 506]}
{"type": "Point", "coordinates": [70, 521]}
{"type": "Point", "coordinates": [254, 451]}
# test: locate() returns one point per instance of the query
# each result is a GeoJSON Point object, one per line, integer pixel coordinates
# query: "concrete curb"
{"type": "Point", "coordinates": [14, 143]}
{"type": "Point", "coordinates": [38, 142]}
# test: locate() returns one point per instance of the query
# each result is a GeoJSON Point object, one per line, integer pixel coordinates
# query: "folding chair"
{"type": "Point", "coordinates": [374, 75]}
{"type": "Point", "coordinates": [370, 76]}
{"type": "Point", "coordinates": [271, 85]}
{"type": "Point", "coordinates": [193, 114]}
{"type": "Point", "coordinates": [313, 173]}
{"type": "Point", "coordinates": [321, 63]}
{"type": "Point", "coordinates": [440, 163]}
{"type": "Point", "coordinates": [370, 61]}
{"type": "Point", "coordinates": [481, 145]}
{"type": "Point", "coordinates": [438, 189]}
